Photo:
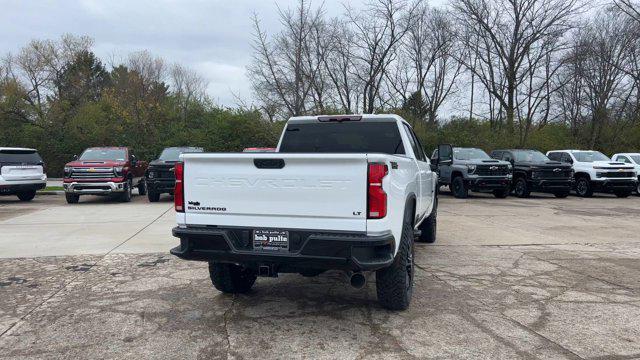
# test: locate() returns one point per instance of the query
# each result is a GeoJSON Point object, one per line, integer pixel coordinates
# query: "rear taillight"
{"type": "Point", "coordinates": [178, 190]}
{"type": "Point", "coordinates": [376, 197]}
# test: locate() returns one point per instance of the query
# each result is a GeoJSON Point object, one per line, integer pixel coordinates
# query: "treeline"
{"type": "Point", "coordinates": [58, 97]}
{"type": "Point", "coordinates": [533, 72]}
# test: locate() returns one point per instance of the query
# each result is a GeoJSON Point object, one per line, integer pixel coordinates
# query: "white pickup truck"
{"type": "Point", "coordinates": [632, 159]}
{"type": "Point", "coordinates": [341, 192]}
{"type": "Point", "coordinates": [595, 172]}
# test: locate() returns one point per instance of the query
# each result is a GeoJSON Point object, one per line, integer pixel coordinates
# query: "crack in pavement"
{"type": "Point", "coordinates": [503, 316]}
{"type": "Point", "coordinates": [226, 325]}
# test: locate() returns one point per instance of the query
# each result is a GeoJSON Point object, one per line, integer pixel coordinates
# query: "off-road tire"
{"type": "Point", "coordinates": [561, 194]}
{"type": "Point", "coordinates": [583, 187]}
{"type": "Point", "coordinates": [126, 195]}
{"type": "Point", "coordinates": [72, 198]}
{"type": "Point", "coordinates": [153, 196]}
{"type": "Point", "coordinates": [459, 188]}
{"type": "Point", "coordinates": [142, 188]}
{"type": "Point", "coordinates": [231, 278]}
{"type": "Point", "coordinates": [622, 193]}
{"type": "Point", "coordinates": [501, 193]}
{"type": "Point", "coordinates": [521, 188]}
{"type": "Point", "coordinates": [429, 225]}
{"type": "Point", "coordinates": [394, 284]}
{"type": "Point", "coordinates": [26, 195]}
{"type": "Point", "coordinates": [638, 188]}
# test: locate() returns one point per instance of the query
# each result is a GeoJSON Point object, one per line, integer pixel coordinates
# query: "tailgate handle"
{"type": "Point", "coordinates": [269, 163]}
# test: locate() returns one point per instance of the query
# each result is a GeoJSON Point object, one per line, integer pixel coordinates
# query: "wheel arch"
{"type": "Point", "coordinates": [519, 174]}
{"type": "Point", "coordinates": [582, 174]}
{"type": "Point", "coordinates": [455, 174]}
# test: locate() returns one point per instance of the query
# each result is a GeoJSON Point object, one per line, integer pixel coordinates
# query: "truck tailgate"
{"type": "Point", "coordinates": [310, 191]}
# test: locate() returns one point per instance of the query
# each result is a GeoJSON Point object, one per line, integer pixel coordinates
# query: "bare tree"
{"type": "Point", "coordinates": [427, 67]}
{"type": "Point", "coordinates": [39, 66]}
{"type": "Point", "coordinates": [285, 71]}
{"type": "Point", "coordinates": [595, 68]}
{"type": "Point", "coordinates": [629, 7]}
{"type": "Point", "coordinates": [188, 87]}
{"type": "Point", "coordinates": [377, 32]}
{"type": "Point", "coordinates": [151, 69]}
{"type": "Point", "coordinates": [502, 35]}
{"type": "Point", "coordinates": [339, 67]}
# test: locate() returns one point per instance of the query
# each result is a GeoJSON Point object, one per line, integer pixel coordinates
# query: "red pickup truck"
{"type": "Point", "coordinates": [104, 171]}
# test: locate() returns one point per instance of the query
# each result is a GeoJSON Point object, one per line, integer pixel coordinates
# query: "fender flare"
{"type": "Point", "coordinates": [582, 174]}
{"type": "Point", "coordinates": [411, 204]}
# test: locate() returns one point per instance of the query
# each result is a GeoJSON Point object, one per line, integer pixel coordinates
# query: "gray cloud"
{"type": "Point", "coordinates": [210, 36]}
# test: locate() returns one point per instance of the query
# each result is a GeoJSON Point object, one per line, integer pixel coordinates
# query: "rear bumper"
{"type": "Point", "coordinates": [308, 249]}
{"type": "Point", "coordinates": [488, 184]}
{"type": "Point", "coordinates": [611, 185]}
{"type": "Point", "coordinates": [550, 185]}
{"type": "Point", "coordinates": [160, 185]}
{"type": "Point", "coordinates": [12, 189]}
{"type": "Point", "coordinates": [94, 188]}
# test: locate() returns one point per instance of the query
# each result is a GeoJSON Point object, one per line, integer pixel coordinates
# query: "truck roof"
{"type": "Point", "coordinates": [569, 150]}
{"type": "Point", "coordinates": [365, 117]}
{"type": "Point", "coordinates": [514, 150]}
{"type": "Point", "coordinates": [108, 147]}
{"type": "Point", "coordinates": [16, 149]}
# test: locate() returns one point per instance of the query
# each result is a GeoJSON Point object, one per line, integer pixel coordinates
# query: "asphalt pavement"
{"type": "Point", "coordinates": [508, 278]}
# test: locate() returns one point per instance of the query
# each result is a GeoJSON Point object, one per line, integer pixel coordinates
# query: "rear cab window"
{"type": "Point", "coordinates": [27, 157]}
{"type": "Point", "coordinates": [343, 137]}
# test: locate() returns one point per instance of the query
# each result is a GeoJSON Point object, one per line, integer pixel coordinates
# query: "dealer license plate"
{"type": "Point", "coordinates": [271, 240]}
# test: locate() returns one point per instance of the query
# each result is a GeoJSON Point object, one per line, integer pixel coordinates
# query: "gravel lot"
{"type": "Point", "coordinates": [513, 278]}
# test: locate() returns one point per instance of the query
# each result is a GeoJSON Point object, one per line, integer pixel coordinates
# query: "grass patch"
{"type": "Point", "coordinates": [53, 188]}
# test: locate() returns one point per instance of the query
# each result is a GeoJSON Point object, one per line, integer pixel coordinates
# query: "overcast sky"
{"type": "Point", "coordinates": [210, 36]}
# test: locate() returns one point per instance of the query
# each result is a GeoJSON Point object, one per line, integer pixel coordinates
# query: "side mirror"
{"type": "Point", "coordinates": [134, 160]}
{"type": "Point", "coordinates": [75, 157]}
{"type": "Point", "coordinates": [445, 154]}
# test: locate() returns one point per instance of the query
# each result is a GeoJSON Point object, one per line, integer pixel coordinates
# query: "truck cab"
{"type": "Point", "coordinates": [471, 169]}
{"type": "Point", "coordinates": [341, 192]}
{"type": "Point", "coordinates": [21, 172]}
{"type": "Point", "coordinates": [104, 171]}
{"type": "Point", "coordinates": [160, 177]}
{"type": "Point", "coordinates": [534, 171]}
{"type": "Point", "coordinates": [596, 172]}
{"type": "Point", "coordinates": [630, 159]}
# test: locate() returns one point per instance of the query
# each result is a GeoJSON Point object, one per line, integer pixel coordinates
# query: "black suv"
{"type": "Point", "coordinates": [534, 171]}
{"type": "Point", "coordinates": [159, 176]}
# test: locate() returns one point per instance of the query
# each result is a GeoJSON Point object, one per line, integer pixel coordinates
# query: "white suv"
{"type": "Point", "coordinates": [595, 172]}
{"type": "Point", "coordinates": [21, 172]}
{"type": "Point", "coordinates": [631, 159]}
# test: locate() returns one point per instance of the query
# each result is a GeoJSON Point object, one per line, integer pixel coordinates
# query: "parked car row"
{"type": "Point", "coordinates": [522, 171]}
{"type": "Point", "coordinates": [116, 171]}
